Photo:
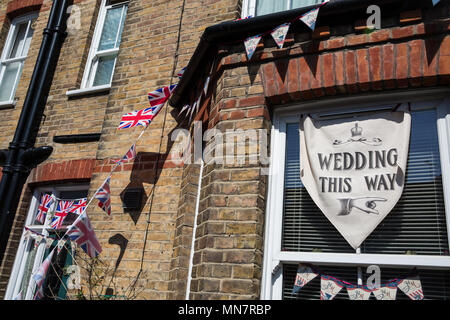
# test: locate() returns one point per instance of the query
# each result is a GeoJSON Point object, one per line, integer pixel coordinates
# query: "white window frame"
{"type": "Point", "coordinates": [94, 55]}
{"type": "Point", "coordinates": [19, 265]}
{"type": "Point", "coordinates": [9, 43]}
{"type": "Point", "coordinates": [272, 278]}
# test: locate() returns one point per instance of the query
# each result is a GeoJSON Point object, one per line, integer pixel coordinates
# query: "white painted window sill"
{"type": "Point", "coordinates": [7, 104]}
{"type": "Point", "coordinates": [86, 91]}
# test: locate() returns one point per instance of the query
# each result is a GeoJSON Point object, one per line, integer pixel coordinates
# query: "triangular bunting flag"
{"type": "Point", "coordinates": [104, 197]}
{"type": "Point", "coordinates": [78, 206]}
{"type": "Point", "coordinates": [435, 2]}
{"type": "Point", "coordinates": [329, 287]}
{"type": "Point", "coordinates": [181, 72]}
{"type": "Point", "coordinates": [279, 34]}
{"type": "Point", "coordinates": [358, 292]}
{"type": "Point", "coordinates": [44, 206]}
{"type": "Point", "coordinates": [39, 276]}
{"type": "Point", "coordinates": [82, 233]}
{"type": "Point", "coordinates": [251, 44]}
{"type": "Point", "coordinates": [60, 245]}
{"type": "Point", "coordinates": [310, 17]}
{"type": "Point", "coordinates": [412, 287]}
{"type": "Point", "coordinates": [386, 292]}
{"type": "Point", "coordinates": [48, 243]}
{"type": "Point", "coordinates": [304, 275]}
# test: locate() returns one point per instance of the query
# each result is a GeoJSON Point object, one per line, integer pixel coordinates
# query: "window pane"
{"type": "Point", "coordinates": [28, 269]}
{"type": "Point", "coordinates": [417, 223]}
{"type": "Point", "coordinates": [305, 227]}
{"type": "Point", "coordinates": [111, 27]}
{"type": "Point", "coordinates": [8, 85]}
{"type": "Point", "coordinates": [19, 41]}
{"type": "Point", "coordinates": [269, 6]}
{"type": "Point", "coordinates": [104, 70]}
{"type": "Point", "coordinates": [303, 3]}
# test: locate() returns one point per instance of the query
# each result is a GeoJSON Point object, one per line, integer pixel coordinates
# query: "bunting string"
{"type": "Point", "coordinates": [330, 286]}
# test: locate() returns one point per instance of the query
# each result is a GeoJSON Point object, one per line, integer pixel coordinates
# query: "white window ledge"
{"type": "Point", "coordinates": [7, 104]}
{"type": "Point", "coordinates": [86, 91]}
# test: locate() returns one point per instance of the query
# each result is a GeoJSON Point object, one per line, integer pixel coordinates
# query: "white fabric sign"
{"type": "Point", "coordinates": [356, 293]}
{"type": "Point", "coordinates": [354, 168]}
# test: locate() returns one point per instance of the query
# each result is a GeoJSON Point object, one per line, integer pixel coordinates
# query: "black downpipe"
{"type": "Point", "coordinates": [21, 156]}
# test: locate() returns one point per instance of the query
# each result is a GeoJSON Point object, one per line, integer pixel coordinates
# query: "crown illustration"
{"type": "Point", "coordinates": [356, 131]}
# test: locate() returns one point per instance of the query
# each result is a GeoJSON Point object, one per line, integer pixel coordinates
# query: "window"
{"type": "Point", "coordinates": [105, 44]}
{"type": "Point", "coordinates": [30, 255]}
{"type": "Point", "coordinates": [414, 234]}
{"type": "Point", "coordinates": [260, 7]}
{"type": "Point", "coordinates": [14, 55]}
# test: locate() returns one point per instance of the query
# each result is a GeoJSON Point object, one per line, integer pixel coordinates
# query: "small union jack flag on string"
{"type": "Point", "coordinates": [158, 97]}
{"type": "Point", "coordinates": [82, 233]}
{"type": "Point", "coordinates": [130, 155]}
{"type": "Point", "coordinates": [181, 72]}
{"type": "Point", "coordinates": [61, 212]}
{"type": "Point", "coordinates": [104, 197]}
{"type": "Point", "coordinates": [41, 273]}
{"type": "Point", "coordinates": [78, 206]}
{"type": "Point", "coordinates": [44, 206]}
{"type": "Point", "coordinates": [138, 118]}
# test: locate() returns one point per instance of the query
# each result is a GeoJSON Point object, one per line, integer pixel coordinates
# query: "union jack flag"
{"type": "Point", "coordinates": [40, 274]}
{"type": "Point", "coordinates": [78, 206]}
{"type": "Point", "coordinates": [103, 196]}
{"type": "Point", "coordinates": [39, 294]}
{"type": "Point", "coordinates": [130, 155]}
{"type": "Point", "coordinates": [61, 212]}
{"type": "Point", "coordinates": [138, 118]}
{"type": "Point", "coordinates": [181, 72]}
{"type": "Point", "coordinates": [44, 206]}
{"type": "Point", "coordinates": [83, 234]}
{"type": "Point", "coordinates": [158, 97]}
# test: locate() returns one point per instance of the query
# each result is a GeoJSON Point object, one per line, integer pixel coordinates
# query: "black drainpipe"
{"type": "Point", "coordinates": [21, 156]}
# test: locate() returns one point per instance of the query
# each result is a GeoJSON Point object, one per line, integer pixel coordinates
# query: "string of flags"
{"type": "Point", "coordinates": [331, 286]}
{"type": "Point", "coordinates": [81, 232]}
{"type": "Point", "coordinates": [279, 33]}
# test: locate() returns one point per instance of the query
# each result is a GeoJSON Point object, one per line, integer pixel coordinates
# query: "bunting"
{"type": "Point", "coordinates": [331, 286]}
{"type": "Point", "coordinates": [82, 233]}
{"type": "Point", "coordinates": [386, 292]}
{"type": "Point", "coordinates": [304, 275]}
{"type": "Point", "coordinates": [41, 273]}
{"type": "Point", "coordinates": [250, 45]}
{"type": "Point", "coordinates": [412, 287]}
{"type": "Point", "coordinates": [435, 2]}
{"type": "Point", "coordinates": [60, 213]}
{"type": "Point", "coordinates": [104, 197]}
{"type": "Point", "coordinates": [44, 206]}
{"type": "Point", "coordinates": [279, 34]}
{"type": "Point", "coordinates": [358, 292]}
